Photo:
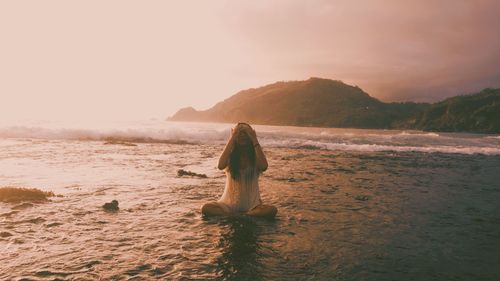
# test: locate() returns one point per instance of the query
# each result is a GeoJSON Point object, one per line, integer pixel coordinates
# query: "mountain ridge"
{"type": "Point", "coordinates": [323, 102]}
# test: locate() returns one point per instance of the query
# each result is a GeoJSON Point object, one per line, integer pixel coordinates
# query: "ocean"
{"type": "Point", "coordinates": [352, 204]}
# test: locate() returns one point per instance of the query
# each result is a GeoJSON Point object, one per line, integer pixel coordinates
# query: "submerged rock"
{"type": "Point", "coordinates": [11, 194]}
{"type": "Point", "coordinates": [183, 172]}
{"type": "Point", "coordinates": [124, 143]}
{"type": "Point", "coordinates": [111, 206]}
{"type": "Point", "coordinates": [362, 197]}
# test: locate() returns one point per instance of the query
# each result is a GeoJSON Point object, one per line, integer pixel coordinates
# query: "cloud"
{"type": "Point", "coordinates": [129, 59]}
{"type": "Point", "coordinates": [395, 50]}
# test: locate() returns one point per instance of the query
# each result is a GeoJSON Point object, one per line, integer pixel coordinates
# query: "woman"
{"type": "Point", "coordinates": [243, 160]}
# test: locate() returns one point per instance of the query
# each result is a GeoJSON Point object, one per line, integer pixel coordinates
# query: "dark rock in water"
{"type": "Point", "coordinates": [124, 143]}
{"type": "Point", "coordinates": [310, 147]}
{"type": "Point", "coordinates": [5, 234]}
{"type": "Point", "coordinates": [111, 206]}
{"type": "Point", "coordinates": [183, 172]}
{"type": "Point", "coordinates": [362, 197]}
{"type": "Point", "coordinates": [11, 194]}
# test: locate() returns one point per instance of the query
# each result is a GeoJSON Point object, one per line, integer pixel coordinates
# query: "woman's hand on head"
{"type": "Point", "coordinates": [252, 134]}
{"type": "Point", "coordinates": [234, 132]}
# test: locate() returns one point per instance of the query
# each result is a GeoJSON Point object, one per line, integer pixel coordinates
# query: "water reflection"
{"type": "Point", "coordinates": [240, 249]}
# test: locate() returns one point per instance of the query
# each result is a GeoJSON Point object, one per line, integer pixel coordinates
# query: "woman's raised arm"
{"type": "Point", "coordinates": [260, 157]}
{"type": "Point", "coordinates": [224, 157]}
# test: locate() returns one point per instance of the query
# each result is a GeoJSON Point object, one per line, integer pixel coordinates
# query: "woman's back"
{"type": "Point", "coordinates": [241, 193]}
{"type": "Point", "coordinates": [243, 160]}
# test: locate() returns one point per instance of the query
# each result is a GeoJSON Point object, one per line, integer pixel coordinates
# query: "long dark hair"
{"type": "Point", "coordinates": [234, 158]}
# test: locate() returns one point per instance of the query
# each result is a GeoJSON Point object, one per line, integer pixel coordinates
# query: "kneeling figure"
{"type": "Point", "coordinates": [243, 160]}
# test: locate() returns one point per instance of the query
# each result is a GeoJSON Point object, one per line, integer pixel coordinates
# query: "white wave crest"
{"type": "Point", "coordinates": [291, 137]}
{"type": "Point", "coordinates": [419, 134]}
{"type": "Point", "coordinates": [369, 147]}
{"type": "Point", "coordinates": [162, 134]}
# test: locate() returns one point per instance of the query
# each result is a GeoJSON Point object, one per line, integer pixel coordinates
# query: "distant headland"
{"type": "Point", "coordinates": [329, 103]}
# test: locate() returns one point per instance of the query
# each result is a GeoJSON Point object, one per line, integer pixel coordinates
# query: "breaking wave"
{"type": "Point", "coordinates": [170, 135]}
{"type": "Point", "coordinates": [367, 147]}
{"type": "Point", "coordinates": [276, 136]}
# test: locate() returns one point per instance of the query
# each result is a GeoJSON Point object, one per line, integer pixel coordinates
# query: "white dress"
{"type": "Point", "coordinates": [243, 194]}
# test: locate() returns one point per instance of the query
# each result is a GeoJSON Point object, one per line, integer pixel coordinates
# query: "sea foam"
{"type": "Point", "coordinates": [273, 136]}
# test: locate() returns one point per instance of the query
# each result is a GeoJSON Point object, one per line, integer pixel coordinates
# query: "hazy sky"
{"type": "Point", "coordinates": [141, 59]}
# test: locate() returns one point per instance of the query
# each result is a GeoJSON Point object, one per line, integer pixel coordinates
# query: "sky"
{"type": "Point", "coordinates": [126, 60]}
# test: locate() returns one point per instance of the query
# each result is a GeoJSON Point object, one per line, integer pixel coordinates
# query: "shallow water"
{"type": "Point", "coordinates": [346, 212]}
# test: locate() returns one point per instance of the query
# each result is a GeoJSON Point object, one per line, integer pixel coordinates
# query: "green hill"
{"type": "Point", "coordinates": [329, 103]}
{"type": "Point", "coordinates": [471, 113]}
